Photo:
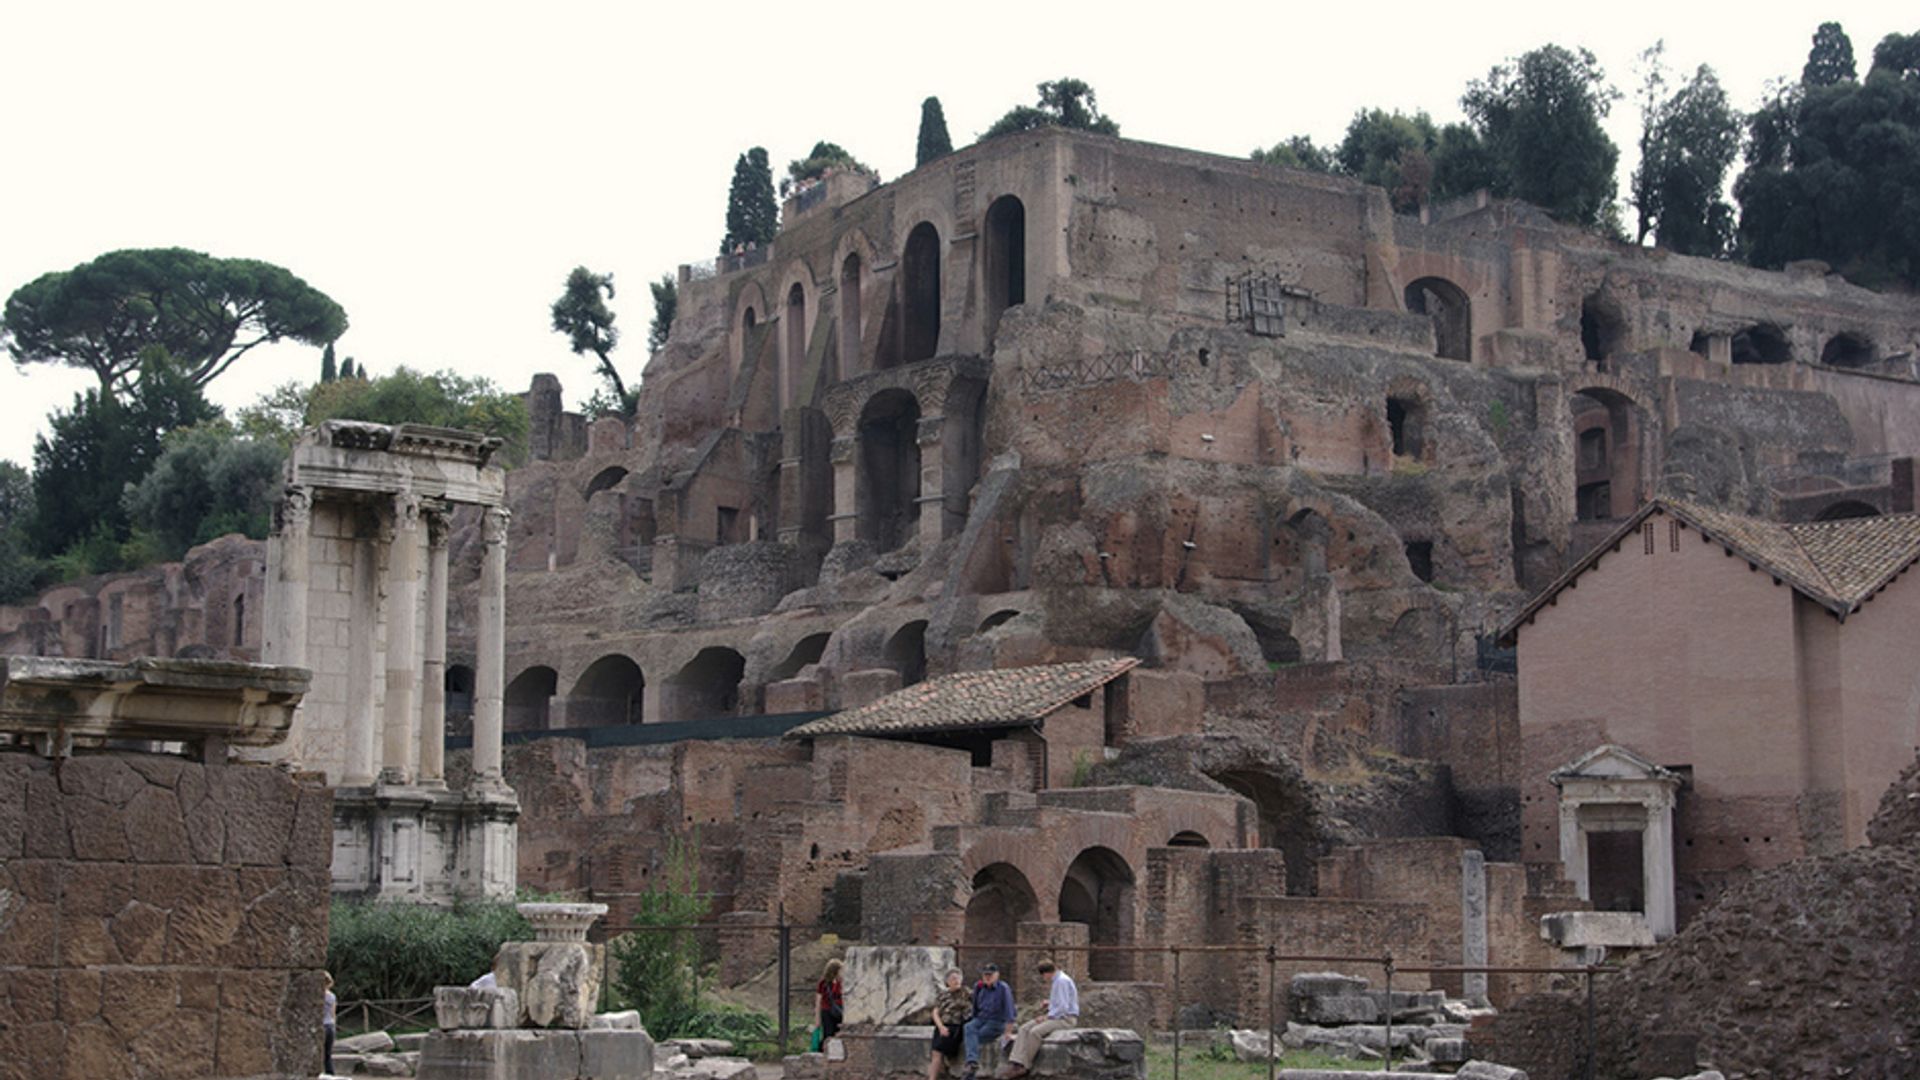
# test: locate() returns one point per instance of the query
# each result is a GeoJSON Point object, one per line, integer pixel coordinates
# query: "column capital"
{"type": "Point", "coordinates": [439, 522]}
{"type": "Point", "coordinates": [406, 511]}
{"type": "Point", "coordinates": [493, 525]}
{"type": "Point", "coordinates": [294, 510]}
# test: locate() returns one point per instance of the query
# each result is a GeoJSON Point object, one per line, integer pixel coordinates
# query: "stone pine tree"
{"type": "Point", "coordinates": [935, 143]}
{"type": "Point", "coordinates": [582, 314]}
{"type": "Point", "coordinates": [752, 215]}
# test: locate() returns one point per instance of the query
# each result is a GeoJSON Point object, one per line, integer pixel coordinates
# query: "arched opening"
{"type": "Point", "coordinates": [1420, 558]}
{"type": "Point", "coordinates": [888, 491]}
{"type": "Point", "coordinates": [850, 328]}
{"type": "Point", "coordinates": [608, 693]}
{"type": "Point", "coordinates": [1847, 509]}
{"type": "Point", "coordinates": [528, 699]}
{"type": "Point", "coordinates": [998, 618]}
{"type": "Point", "coordinates": [920, 294]}
{"type": "Point", "coordinates": [1603, 331]}
{"type": "Point", "coordinates": [1762, 343]}
{"type": "Point", "coordinates": [1847, 350]}
{"type": "Point", "coordinates": [604, 479]}
{"type": "Point", "coordinates": [708, 686]}
{"type": "Point", "coordinates": [1701, 344]}
{"type": "Point", "coordinates": [239, 620]}
{"type": "Point", "coordinates": [1098, 891]}
{"type": "Point", "coordinates": [807, 651]}
{"type": "Point", "coordinates": [1407, 426]}
{"type": "Point", "coordinates": [1452, 314]}
{"type": "Point", "coordinates": [1606, 455]}
{"type": "Point", "coordinates": [1188, 838]}
{"type": "Point", "coordinates": [794, 350]}
{"type": "Point", "coordinates": [906, 652]}
{"type": "Point", "coordinates": [1006, 258]}
{"type": "Point", "coordinates": [459, 692]}
{"type": "Point", "coordinates": [1286, 816]}
{"type": "Point", "coordinates": [1002, 899]}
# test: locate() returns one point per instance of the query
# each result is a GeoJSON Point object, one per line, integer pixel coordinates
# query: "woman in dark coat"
{"type": "Point", "coordinates": [951, 1011]}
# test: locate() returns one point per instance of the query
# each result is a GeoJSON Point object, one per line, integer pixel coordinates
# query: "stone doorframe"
{"type": "Point", "coordinates": [1612, 788]}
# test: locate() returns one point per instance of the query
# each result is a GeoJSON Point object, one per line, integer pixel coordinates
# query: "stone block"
{"type": "Point", "coordinates": [1447, 1050]}
{"type": "Point", "coordinates": [1131, 1005]}
{"type": "Point", "coordinates": [1324, 982]}
{"type": "Point", "coordinates": [460, 1008]}
{"type": "Point", "coordinates": [893, 984]}
{"type": "Point", "coordinates": [1487, 1070]}
{"type": "Point", "coordinates": [373, 1042]}
{"type": "Point", "coordinates": [558, 982]}
{"type": "Point", "coordinates": [503, 1055]}
{"type": "Point", "coordinates": [698, 1048]}
{"type": "Point", "coordinates": [384, 1065]}
{"type": "Point", "coordinates": [723, 1068]}
{"type": "Point", "coordinates": [1093, 1054]}
{"type": "Point", "coordinates": [410, 1042]}
{"type": "Point", "coordinates": [1602, 929]}
{"type": "Point", "coordinates": [1330, 1009]}
{"type": "Point", "coordinates": [1252, 1045]}
{"type": "Point", "coordinates": [804, 1067]}
{"type": "Point", "coordinates": [625, 1020]}
{"type": "Point", "coordinates": [795, 696]}
{"type": "Point", "coordinates": [1343, 1074]}
{"type": "Point", "coordinates": [616, 1054]}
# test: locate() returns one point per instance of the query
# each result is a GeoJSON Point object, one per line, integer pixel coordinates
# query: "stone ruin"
{"type": "Point", "coordinates": [163, 907]}
{"type": "Point", "coordinates": [540, 1018]}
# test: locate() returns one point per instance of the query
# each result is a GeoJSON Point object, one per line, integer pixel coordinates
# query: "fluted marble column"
{"type": "Point", "coordinates": [401, 724]}
{"type": "Point", "coordinates": [433, 668]}
{"type": "Point", "coordinates": [489, 678]}
{"type": "Point", "coordinates": [362, 740]}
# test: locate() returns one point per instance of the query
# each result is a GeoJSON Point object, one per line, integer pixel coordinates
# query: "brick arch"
{"type": "Point", "coordinates": [751, 296]}
{"type": "Point", "coordinates": [1045, 864]}
{"type": "Point", "coordinates": [797, 271]}
{"type": "Point", "coordinates": [856, 310]}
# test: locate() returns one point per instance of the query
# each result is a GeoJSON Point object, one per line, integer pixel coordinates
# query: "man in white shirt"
{"type": "Point", "coordinates": [1063, 1011]}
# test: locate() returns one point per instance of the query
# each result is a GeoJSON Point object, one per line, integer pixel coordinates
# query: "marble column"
{"type": "Point", "coordinates": [489, 678]}
{"type": "Point", "coordinates": [1573, 846]}
{"type": "Point", "coordinates": [370, 539]}
{"type": "Point", "coordinates": [433, 667]}
{"type": "Point", "coordinates": [401, 723]}
{"type": "Point", "coordinates": [1656, 860]}
{"type": "Point", "coordinates": [292, 552]}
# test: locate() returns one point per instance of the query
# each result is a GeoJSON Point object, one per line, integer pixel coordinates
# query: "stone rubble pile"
{"type": "Point", "coordinates": [1339, 1015]}
{"type": "Point", "coordinates": [699, 1059]}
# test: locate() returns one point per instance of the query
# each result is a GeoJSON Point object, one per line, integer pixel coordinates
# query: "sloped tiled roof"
{"type": "Point", "coordinates": [966, 700]}
{"type": "Point", "coordinates": [1839, 565]}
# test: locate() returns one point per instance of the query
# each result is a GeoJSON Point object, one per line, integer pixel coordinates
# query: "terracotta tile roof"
{"type": "Point", "coordinates": [1004, 697]}
{"type": "Point", "coordinates": [1839, 565]}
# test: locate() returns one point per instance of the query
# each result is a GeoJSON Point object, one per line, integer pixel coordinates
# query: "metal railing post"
{"type": "Point", "coordinates": [785, 975]}
{"type": "Point", "coordinates": [1388, 964]}
{"type": "Point", "coordinates": [1176, 1012]}
{"type": "Point", "coordinates": [1272, 993]}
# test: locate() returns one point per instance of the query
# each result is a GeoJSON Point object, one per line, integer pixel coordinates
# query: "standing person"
{"type": "Point", "coordinates": [329, 1005]}
{"type": "Point", "coordinates": [1063, 1011]}
{"type": "Point", "coordinates": [950, 1013]}
{"type": "Point", "coordinates": [992, 1015]}
{"type": "Point", "coordinates": [829, 1007]}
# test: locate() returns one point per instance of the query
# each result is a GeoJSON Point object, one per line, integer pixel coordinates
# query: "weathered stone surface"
{"type": "Point", "coordinates": [1092, 1054]}
{"type": "Point", "coordinates": [384, 1065]}
{"type": "Point", "coordinates": [465, 1007]}
{"type": "Point", "coordinates": [558, 982]}
{"type": "Point", "coordinates": [624, 1020]}
{"type": "Point", "coordinates": [1252, 1045]}
{"type": "Point", "coordinates": [1319, 983]}
{"type": "Point", "coordinates": [1604, 929]}
{"type": "Point", "coordinates": [697, 1048]}
{"type": "Point", "coordinates": [1134, 1006]}
{"type": "Point", "coordinates": [1487, 1070]}
{"type": "Point", "coordinates": [373, 1042]}
{"type": "Point", "coordinates": [893, 984]}
{"type": "Point", "coordinates": [1337, 1009]}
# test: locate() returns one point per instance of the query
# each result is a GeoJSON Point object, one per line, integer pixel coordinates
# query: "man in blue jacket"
{"type": "Point", "coordinates": [993, 1015]}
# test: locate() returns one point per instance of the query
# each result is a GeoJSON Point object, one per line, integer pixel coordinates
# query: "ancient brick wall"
{"type": "Point", "coordinates": [160, 918]}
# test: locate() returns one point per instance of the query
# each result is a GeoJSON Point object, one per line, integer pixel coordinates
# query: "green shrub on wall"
{"type": "Point", "coordinates": [400, 952]}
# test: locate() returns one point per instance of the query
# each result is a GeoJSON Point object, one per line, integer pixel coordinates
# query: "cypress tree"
{"type": "Point", "coordinates": [752, 215]}
{"type": "Point", "coordinates": [328, 371]}
{"type": "Point", "coordinates": [934, 141]}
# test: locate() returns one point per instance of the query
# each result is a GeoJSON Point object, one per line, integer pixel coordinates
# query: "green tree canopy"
{"type": "Point", "coordinates": [752, 215]}
{"type": "Point", "coordinates": [407, 396]}
{"type": "Point", "coordinates": [1392, 150]}
{"type": "Point", "coordinates": [1538, 117]}
{"type": "Point", "coordinates": [1067, 103]}
{"type": "Point", "coordinates": [1833, 171]}
{"type": "Point", "coordinates": [1688, 141]}
{"type": "Point", "coordinates": [207, 482]}
{"type": "Point", "coordinates": [582, 314]}
{"type": "Point", "coordinates": [934, 142]}
{"type": "Point", "coordinates": [90, 453]}
{"type": "Point", "coordinates": [20, 571]}
{"type": "Point", "coordinates": [666, 301]}
{"type": "Point", "coordinates": [1297, 152]}
{"type": "Point", "coordinates": [823, 156]}
{"type": "Point", "coordinates": [1830, 61]}
{"type": "Point", "coordinates": [205, 312]}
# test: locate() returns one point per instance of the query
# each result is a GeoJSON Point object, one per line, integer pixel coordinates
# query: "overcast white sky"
{"type": "Point", "coordinates": [438, 168]}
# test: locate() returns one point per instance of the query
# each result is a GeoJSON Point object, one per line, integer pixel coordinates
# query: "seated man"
{"type": "Point", "coordinates": [1063, 1011]}
{"type": "Point", "coordinates": [992, 1015]}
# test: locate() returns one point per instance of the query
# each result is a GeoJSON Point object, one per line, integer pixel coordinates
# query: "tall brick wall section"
{"type": "Point", "coordinates": [1474, 730]}
{"type": "Point", "coordinates": [160, 918]}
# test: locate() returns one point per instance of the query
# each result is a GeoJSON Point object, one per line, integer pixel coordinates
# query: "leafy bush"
{"type": "Point", "coordinates": [398, 952]}
{"type": "Point", "coordinates": [657, 972]}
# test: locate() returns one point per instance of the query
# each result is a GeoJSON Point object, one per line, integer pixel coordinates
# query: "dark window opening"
{"type": "Point", "coordinates": [708, 686]}
{"type": "Point", "coordinates": [888, 495]}
{"type": "Point", "coordinates": [807, 651]}
{"type": "Point", "coordinates": [1006, 262]}
{"type": "Point", "coordinates": [609, 693]}
{"type": "Point", "coordinates": [1452, 314]}
{"type": "Point", "coordinates": [1701, 344]}
{"type": "Point", "coordinates": [906, 652]}
{"type": "Point", "coordinates": [726, 526]}
{"type": "Point", "coordinates": [850, 336]}
{"type": "Point", "coordinates": [1406, 424]}
{"type": "Point", "coordinates": [1420, 558]}
{"type": "Point", "coordinates": [1615, 875]}
{"type": "Point", "coordinates": [1594, 502]}
{"type": "Point", "coordinates": [528, 699]}
{"type": "Point", "coordinates": [796, 341]}
{"type": "Point", "coordinates": [920, 294]}
{"type": "Point", "coordinates": [1188, 838]}
{"type": "Point", "coordinates": [1593, 448]}
{"type": "Point", "coordinates": [1847, 350]}
{"type": "Point", "coordinates": [1762, 344]}
{"type": "Point", "coordinates": [1602, 330]}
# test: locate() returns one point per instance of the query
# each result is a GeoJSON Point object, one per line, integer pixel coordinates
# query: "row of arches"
{"type": "Point", "coordinates": [910, 329]}
{"type": "Point", "coordinates": [1098, 891]}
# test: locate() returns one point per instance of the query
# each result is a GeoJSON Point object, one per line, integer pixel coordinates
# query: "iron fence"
{"type": "Point", "coordinates": [1267, 954]}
